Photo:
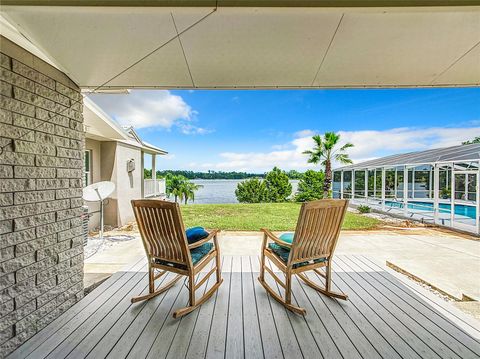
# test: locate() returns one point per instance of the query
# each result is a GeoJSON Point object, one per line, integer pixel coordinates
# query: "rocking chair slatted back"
{"type": "Point", "coordinates": [317, 231]}
{"type": "Point", "coordinates": [162, 231]}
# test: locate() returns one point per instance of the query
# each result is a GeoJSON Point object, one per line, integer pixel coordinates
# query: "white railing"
{"type": "Point", "coordinates": [153, 188]}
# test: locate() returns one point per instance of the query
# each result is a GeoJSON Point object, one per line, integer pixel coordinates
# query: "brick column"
{"type": "Point", "coordinates": [41, 169]}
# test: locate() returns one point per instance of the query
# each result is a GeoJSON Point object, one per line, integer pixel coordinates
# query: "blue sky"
{"type": "Point", "coordinates": [257, 129]}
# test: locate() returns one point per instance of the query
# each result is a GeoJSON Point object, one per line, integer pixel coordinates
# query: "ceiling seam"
{"type": "Point", "coordinates": [183, 50]}
{"type": "Point", "coordinates": [292, 87]}
{"type": "Point", "coordinates": [328, 49]}
{"type": "Point", "coordinates": [454, 62]}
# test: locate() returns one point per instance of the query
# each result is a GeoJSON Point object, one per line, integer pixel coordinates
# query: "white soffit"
{"type": "Point", "coordinates": [257, 47]}
{"type": "Point", "coordinates": [98, 125]}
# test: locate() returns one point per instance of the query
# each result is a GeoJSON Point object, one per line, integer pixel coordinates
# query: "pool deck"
{"type": "Point", "coordinates": [461, 222]}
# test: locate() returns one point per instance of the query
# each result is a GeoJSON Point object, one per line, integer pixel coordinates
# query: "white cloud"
{"type": "Point", "coordinates": [153, 109]}
{"type": "Point", "coordinates": [189, 129]}
{"type": "Point", "coordinates": [368, 145]}
{"type": "Point", "coordinates": [304, 133]}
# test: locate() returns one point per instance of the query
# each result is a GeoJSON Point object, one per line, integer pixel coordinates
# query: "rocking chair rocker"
{"type": "Point", "coordinates": [163, 236]}
{"type": "Point", "coordinates": [313, 244]}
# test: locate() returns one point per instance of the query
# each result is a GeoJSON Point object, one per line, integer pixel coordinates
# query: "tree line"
{"type": "Point", "coordinates": [273, 186]}
{"type": "Point", "coordinates": [211, 175]}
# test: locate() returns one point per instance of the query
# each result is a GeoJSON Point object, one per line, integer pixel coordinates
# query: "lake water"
{"type": "Point", "coordinates": [222, 191]}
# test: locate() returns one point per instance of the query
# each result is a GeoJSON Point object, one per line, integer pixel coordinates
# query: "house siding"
{"type": "Point", "coordinates": [41, 171]}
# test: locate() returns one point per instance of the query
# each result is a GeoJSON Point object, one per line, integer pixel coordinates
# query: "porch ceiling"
{"type": "Point", "coordinates": [258, 47]}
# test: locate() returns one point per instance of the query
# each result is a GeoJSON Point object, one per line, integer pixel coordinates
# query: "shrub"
{"type": "Point", "coordinates": [310, 186]}
{"type": "Point", "coordinates": [363, 209]}
{"type": "Point", "coordinates": [277, 185]}
{"type": "Point", "coordinates": [252, 190]}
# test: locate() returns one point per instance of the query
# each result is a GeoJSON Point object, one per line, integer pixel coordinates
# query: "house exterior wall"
{"type": "Point", "coordinates": [128, 186]}
{"type": "Point", "coordinates": [111, 165]}
{"type": "Point", "coordinates": [41, 170]}
{"type": "Point", "coordinates": [93, 207]}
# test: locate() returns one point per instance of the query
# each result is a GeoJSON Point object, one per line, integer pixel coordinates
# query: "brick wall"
{"type": "Point", "coordinates": [41, 249]}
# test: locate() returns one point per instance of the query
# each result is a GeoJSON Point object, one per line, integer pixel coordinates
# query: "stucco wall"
{"type": "Point", "coordinates": [129, 184]}
{"type": "Point", "coordinates": [41, 171]}
{"type": "Point", "coordinates": [93, 207]}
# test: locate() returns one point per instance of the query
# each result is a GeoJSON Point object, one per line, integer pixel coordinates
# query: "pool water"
{"type": "Point", "coordinates": [460, 209]}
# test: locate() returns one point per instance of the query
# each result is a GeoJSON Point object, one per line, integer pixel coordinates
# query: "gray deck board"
{"type": "Point", "coordinates": [387, 316]}
{"type": "Point", "coordinates": [427, 331]}
{"type": "Point", "coordinates": [456, 340]}
{"type": "Point", "coordinates": [251, 327]}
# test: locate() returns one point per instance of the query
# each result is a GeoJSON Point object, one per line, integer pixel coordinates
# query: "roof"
{"type": "Point", "coordinates": [445, 154]}
{"type": "Point", "coordinates": [99, 125]}
{"type": "Point", "coordinates": [147, 147]}
{"type": "Point", "coordinates": [252, 44]}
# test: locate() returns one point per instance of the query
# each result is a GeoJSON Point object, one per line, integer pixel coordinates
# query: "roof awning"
{"type": "Point", "coordinates": [242, 44]}
{"type": "Point", "coordinates": [98, 125]}
{"type": "Point", "coordinates": [461, 153]}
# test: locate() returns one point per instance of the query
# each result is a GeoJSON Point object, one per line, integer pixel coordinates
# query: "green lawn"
{"type": "Point", "coordinates": [252, 217]}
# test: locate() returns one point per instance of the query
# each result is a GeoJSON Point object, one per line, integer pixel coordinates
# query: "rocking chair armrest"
{"type": "Point", "coordinates": [211, 235]}
{"type": "Point", "coordinates": [274, 238]}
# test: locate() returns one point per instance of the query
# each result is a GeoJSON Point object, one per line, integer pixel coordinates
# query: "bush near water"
{"type": "Point", "coordinates": [276, 188]}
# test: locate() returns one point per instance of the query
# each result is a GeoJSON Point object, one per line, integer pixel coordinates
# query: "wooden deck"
{"type": "Point", "coordinates": [386, 317]}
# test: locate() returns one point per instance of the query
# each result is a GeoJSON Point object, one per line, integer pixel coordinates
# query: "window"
{"type": "Point", "coordinates": [88, 168]}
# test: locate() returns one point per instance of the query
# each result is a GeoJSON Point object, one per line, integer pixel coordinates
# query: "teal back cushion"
{"type": "Point", "coordinates": [195, 234]}
{"type": "Point", "coordinates": [287, 237]}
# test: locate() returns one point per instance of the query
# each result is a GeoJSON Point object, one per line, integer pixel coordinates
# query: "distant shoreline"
{"type": "Point", "coordinates": [220, 175]}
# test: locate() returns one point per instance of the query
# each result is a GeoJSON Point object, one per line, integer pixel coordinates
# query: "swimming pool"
{"type": "Point", "coordinates": [460, 209]}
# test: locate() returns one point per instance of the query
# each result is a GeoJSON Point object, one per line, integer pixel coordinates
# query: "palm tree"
{"type": "Point", "coordinates": [175, 185]}
{"type": "Point", "coordinates": [324, 151]}
{"type": "Point", "coordinates": [188, 190]}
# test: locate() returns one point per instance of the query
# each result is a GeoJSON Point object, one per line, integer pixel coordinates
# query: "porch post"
{"type": "Point", "coordinates": [154, 174]}
{"type": "Point", "coordinates": [436, 194]}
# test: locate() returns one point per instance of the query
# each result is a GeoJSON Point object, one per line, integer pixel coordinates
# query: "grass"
{"type": "Point", "coordinates": [252, 217]}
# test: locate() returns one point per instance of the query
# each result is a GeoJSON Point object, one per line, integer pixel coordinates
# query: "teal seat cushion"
{"type": "Point", "coordinates": [196, 253]}
{"type": "Point", "coordinates": [283, 254]}
{"type": "Point", "coordinates": [200, 252]}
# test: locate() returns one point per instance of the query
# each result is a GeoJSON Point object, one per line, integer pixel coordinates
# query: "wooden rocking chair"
{"type": "Point", "coordinates": [313, 244]}
{"type": "Point", "coordinates": [163, 236]}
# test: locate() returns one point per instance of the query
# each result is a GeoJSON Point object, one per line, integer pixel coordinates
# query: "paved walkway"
{"type": "Point", "coordinates": [446, 260]}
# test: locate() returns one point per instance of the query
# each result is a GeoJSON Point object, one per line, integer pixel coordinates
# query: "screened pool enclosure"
{"type": "Point", "coordinates": [437, 186]}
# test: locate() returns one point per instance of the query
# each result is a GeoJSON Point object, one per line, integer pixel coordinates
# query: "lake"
{"type": "Point", "coordinates": [222, 191]}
